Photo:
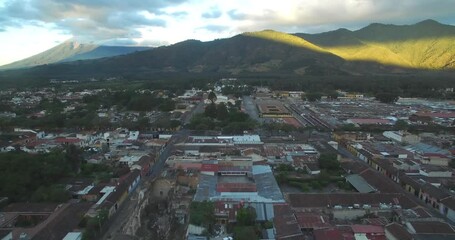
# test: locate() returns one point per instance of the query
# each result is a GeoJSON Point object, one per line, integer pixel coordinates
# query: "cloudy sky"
{"type": "Point", "coordinates": [28, 27]}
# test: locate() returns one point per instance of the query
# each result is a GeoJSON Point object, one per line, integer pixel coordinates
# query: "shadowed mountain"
{"type": "Point", "coordinates": [376, 49]}
{"type": "Point", "coordinates": [240, 54]}
{"type": "Point", "coordinates": [425, 45]}
{"type": "Point", "coordinates": [72, 51]}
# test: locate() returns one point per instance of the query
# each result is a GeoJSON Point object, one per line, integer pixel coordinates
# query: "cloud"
{"type": "Point", "coordinates": [215, 28]}
{"type": "Point", "coordinates": [179, 14]}
{"type": "Point", "coordinates": [319, 14]}
{"type": "Point", "coordinates": [153, 43]}
{"type": "Point", "coordinates": [118, 42]}
{"type": "Point", "coordinates": [168, 21]}
{"type": "Point", "coordinates": [88, 18]}
{"type": "Point", "coordinates": [234, 14]}
{"type": "Point", "coordinates": [214, 12]}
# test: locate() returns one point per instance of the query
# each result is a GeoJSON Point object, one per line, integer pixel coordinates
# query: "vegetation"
{"type": "Point", "coordinates": [401, 125]}
{"type": "Point", "coordinates": [387, 97]}
{"type": "Point", "coordinates": [245, 226]}
{"type": "Point", "coordinates": [86, 117]}
{"type": "Point", "coordinates": [329, 162]}
{"type": "Point", "coordinates": [330, 174]}
{"type": "Point", "coordinates": [285, 38]}
{"type": "Point", "coordinates": [202, 214]}
{"type": "Point", "coordinates": [92, 225]}
{"type": "Point", "coordinates": [25, 177]}
{"type": "Point", "coordinates": [427, 45]}
{"type": "Point", "coordinates": [312, 96]}
{"type": "Point", "coordinates": [452, 163]}
{"type": "Point", "coordinates": [219, 117]}
{"type": "Point", "coordinates": [279, 127]}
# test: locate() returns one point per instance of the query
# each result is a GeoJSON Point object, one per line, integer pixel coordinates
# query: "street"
{"type": "Point", "coordinates": [250, 108]}
{"type": "Point", "coordinates": [119, 220]}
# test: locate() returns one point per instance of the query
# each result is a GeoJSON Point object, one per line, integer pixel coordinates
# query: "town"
{"type": "Point", "coordinates": [224, 161]}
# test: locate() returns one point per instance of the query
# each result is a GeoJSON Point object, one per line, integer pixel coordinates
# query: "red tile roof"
{"type": "Point", "coordinates": [333, 234]}
{"type": "Point", "coordinates": [285, 223]}
{"type": "Point", "coordinates": [370, 121]}
{"type": "Point", "coordinates": [236, 187]}
{"type": "Point", "coordinates": [186, 166]}
{"type": "Point", "coordinates": [425, 227]}
{"type": "Point", "coordinates": [398, 231]}
{"type": "Point", "coordinates": [368, 229]}
{"type": "Point", "coordinates": [209, 168]}
{"type": "Point", "coordinates": [311, 220]}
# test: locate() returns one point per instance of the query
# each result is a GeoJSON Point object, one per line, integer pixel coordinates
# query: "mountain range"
{"type": "Point", "coordinates": [72, 51]}
{"type": "Point", "coordinates": [375, 49]}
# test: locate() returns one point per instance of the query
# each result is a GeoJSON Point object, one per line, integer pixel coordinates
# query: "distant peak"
{"type": "Point", "coordinates": [342, 30]}
{"type": "Point", "coordinates": [372, 25]}
{"type": "Point", "coordinates": [76, 45]}
{"type": "Point", "coordinates": [429, 22]}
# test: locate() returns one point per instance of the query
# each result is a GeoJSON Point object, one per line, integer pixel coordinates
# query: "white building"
{"type": "Point", "coordinates": [402, 137]}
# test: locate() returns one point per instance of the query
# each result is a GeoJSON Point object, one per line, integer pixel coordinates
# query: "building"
{"type": "Point", "coordinates": [395, 231]}
{"type": "Point", "coordinates": [273, 109]}
{"type": "Point", "coordinates": [402, 137]}
{"type": "Point", "coordinates": [237, 184]}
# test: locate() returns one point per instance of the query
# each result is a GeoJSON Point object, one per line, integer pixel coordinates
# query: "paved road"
{"type": "Point", "coordinates": [250, 107]}
{"type": "Point", "coordinates": [119, 220]}
{"type": "Point", "coordinates": [199, 108]}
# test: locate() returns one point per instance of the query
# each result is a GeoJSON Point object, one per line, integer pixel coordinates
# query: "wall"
{"type": "Point", "coordinates": [348, 213]}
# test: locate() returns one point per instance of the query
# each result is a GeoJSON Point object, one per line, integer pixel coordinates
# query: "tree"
{"type": "Point", "coordinates": [221, 112]}
{"type": "Point", "coordinates": [401, 125]}
{"type": "Point", "coordinates": [167, 105]}
{"type": "Point", "coordinates": [212, 96]}
{"type": "Point", "coordinates": [332, 94]}
{"type": "Point", "coordinates": [246, 216]}
{"type": "Point", "coordinates": [202, 214]}
{"type": "Point", "coordinates": [238, 104]}
{"type": "Point", "coordinates": [313, 96]}
{"type": "Point", "coordinates": [245, 233]}
{"type": "Point", "coordinates": [74, 157]}
{"type": "Point", "coordinates": [211, 110]}
{"type": "Point", "coordinates": [329, 162]}
{"type": "Point", "coordinates": [387, 97]}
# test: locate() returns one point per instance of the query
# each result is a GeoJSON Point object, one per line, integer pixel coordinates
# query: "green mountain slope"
{"type": "Point", "coordinates": [376, 49]}
{"type": "Point", "coordinates": [425, 45]}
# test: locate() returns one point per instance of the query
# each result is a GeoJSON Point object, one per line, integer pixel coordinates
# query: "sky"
{"type": "Point", "coordinates": [28, 27]}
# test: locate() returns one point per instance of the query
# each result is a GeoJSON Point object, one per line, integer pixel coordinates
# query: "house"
{"type": "Point", "coordinates": [432, 195]}
{"type": "Point", "coordinates": [372, 232]}
{"type": "Point", "coordinates": [285, 223]}
{"type": "Point", "coordinates": [395, 231]}
{"type": "Point", "coordinates": [49, 221]}
{"type": "Point", "coordinates": [430, 227]}
{"type": "Point", "coordinates": [402, 137]}
{"type": "Point", "coordinates": [435, 171]}
{"type": "Point", "coordinates": [447, 207]}
{"type": "Point", "coordinates": [437, 159]}
{"type": "Point", "coordinates": [350, 136]}
{"type": "Point", "coordinates": [143, 165]}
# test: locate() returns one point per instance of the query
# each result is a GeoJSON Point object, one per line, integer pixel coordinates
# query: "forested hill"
{"type": "Point", "coordinates": [377, 49]}
{"type": "Point", "coordinates": [426, 45]}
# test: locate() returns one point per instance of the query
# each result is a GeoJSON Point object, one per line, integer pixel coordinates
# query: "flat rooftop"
{"type": "Point", "coordinates": [324, 200]}
{"type": "Point", "coordinates": [235, 179]}
{"type": "Point", "coordinates": [265, 188]}
{"type": "Point", "coordinates": [272, 107]}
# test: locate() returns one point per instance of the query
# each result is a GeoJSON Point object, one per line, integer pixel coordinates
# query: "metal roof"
{"type": "Point", "coordinates": [360, 184]}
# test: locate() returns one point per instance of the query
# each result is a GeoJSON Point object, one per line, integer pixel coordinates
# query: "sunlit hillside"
{"type": "Point", "coordinates": [285, 38]}
{"type": "Point", "coordinates": [425, 45]}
